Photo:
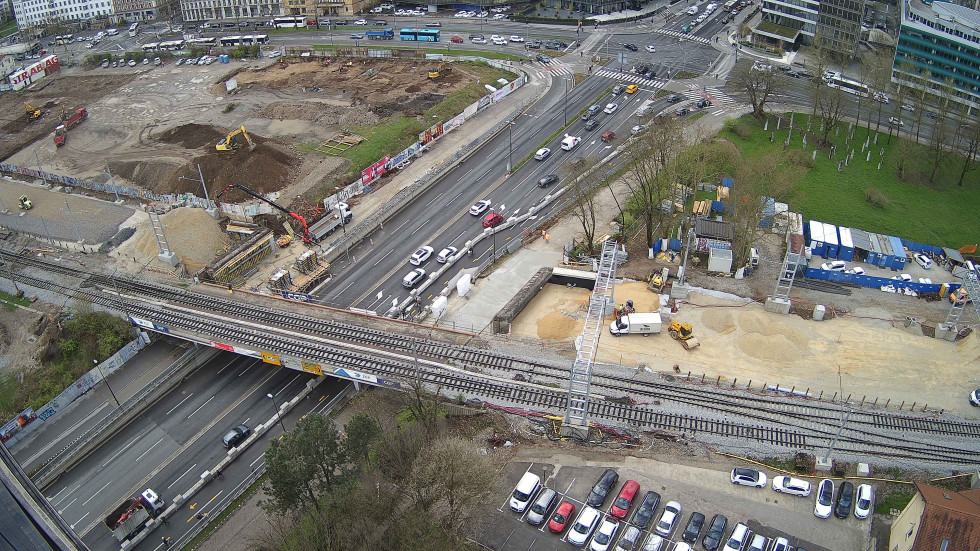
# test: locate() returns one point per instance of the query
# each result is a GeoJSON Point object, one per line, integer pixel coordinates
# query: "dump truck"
{"type": "Point", "coordinates": [67, 123]}
{"type": "Point", "coordinates": [387, 34]}
{"type": "Point", "coordinates": [128, 519]}
{"type": "Point", "coordinates": [636, 324]}
{"type": "Point", "coordinates": [339, 217]}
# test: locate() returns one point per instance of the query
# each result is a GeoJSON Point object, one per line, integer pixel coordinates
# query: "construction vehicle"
{"type": "Point", "coordinates": [340, 217]}
{"type": "Point", "coordinates": [33, 113]}
{"type": "Point", "coordinates": [284, 240]}
{"type": "Point", "coordinates": [684, 333]}
{"type": "Point", "coordinates": [67, 123]}
{"type": "Point", "coordinates": [959, 296]}
{"type": "Point", "coordinates": [25, 203]}
{"type": "Point", "coordinates": [306, 236]}
{"type": "Point", "coordinates": [234, 139]}
{"type": "Point", "coordinates": [625, 310]}
{"type": "Point", "coordinates": [636, 324]}
{"type": "Point", "coordinates": [442, 70]}
{"type": "Point", "coordinates": [130, 518]}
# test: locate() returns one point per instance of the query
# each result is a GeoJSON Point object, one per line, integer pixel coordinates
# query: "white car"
{"type": "Point", "coordinates": [782, 544]}
{"type": "Point", "coordinates": [605, 535]}
{"type": "Point", "coordinates": [682, 546]}
{"type": "Point", "coordinates": [132, 63]}
{"type": "Point", "coordinates": [412, 278]}
{"type": "Point", "coordinates": [583, 527]}
{"type": "Point", "coordinates": [748, 477]}
{"type": "Point", "coordinates": [480, 207]}
{"type": "Point", "coordinates": [835, 266]}
{"type": "Point", "coordinates": [516, 38]}
{"type": "Point", "coordinates": [790, 485]}
{"type": "Point", "coordinates": [361, 22]}
{"type": "Point", "coordinates": [653, 543]}
{"type": "Point", "coordinates": [500, 41]}
{"type": "Point", "coordinates": [651, 48]}
{"type": "Point", "coordinates": [923, 260]}
{"type": "Point", "coordinates": [478, 40]}
{"type": "Point", "coordinates": [445, 254]}
{"type": "Point", "coordinates": [825, 499]}
{"type": "Point", "coordinates": [569, 142]}
{"type": "Point", "coordinates": [421, 255]}
{"type": "Point", "coordinates": [672, 512]}
{"type": "Point", "coordinates": [376, 10]}
{"type": "Point", "coordinates": [880, 96]}
{"type": "Point", "coordinates": [611, 108]}
{"type": "Point", "coordinates": [857, 270]}
{"type": "Point", "coordinates": [500, 16]}
{"type": "Point", "coordinates": [895, 121]}
{"type": "Point", "coordinates": [903, 277]}
{"type": "Point", "coordinates": [758, 543]}
{"type": "Point", "coordinates": [925, 280]}
{"type": "Point", "coordinates": [542, 154]}
{"type": "Point", "coordinates": [496, 37]}
{"type": "Point", "coordinates": [865, 501]}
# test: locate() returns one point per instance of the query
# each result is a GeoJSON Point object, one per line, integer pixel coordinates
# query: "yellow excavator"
{"type": "Point", "coordinates": [25, 203]}
{"type": "Point", "coordinates": [684, 333]}
{"type": "Point", "coordinates": [234, 140]}
{"type": "Point", "coordinates": [33, 113]}
{"type": "Point", "coordinates": [442, 70]}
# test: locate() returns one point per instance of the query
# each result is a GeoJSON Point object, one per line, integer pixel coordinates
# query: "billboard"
{"type": "Point", "coordinates": [374, 171]}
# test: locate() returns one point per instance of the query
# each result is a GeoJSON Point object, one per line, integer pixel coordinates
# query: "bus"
{"type": "Point", "coordinates": [151, 47]}
{"type": "Point", "coordinates": [836, 80]}
{"type": "Point", "coordinates": [134, 29]}
{"type": "Point", "coordinates": [420, 35]}
{"type": "Point", "coordinates": [63, 39]}
{"type": "Point", "coordinates": [730, 4]}
{"type": "Point", "coordinates": [289, 22]}
{"type": "Point", "coordinates": [172, 45]}
{"type": "Point", "coordinates": [202, 42]}
{"type": "Point", "coordinates": [246, 40]}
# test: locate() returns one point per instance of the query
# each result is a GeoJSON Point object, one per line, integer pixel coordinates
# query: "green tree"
{"type": "Point", "coordinates": [360, 434]}
{"type": "Point", "coordinates": [319, 443]}
{"type": "Point", "coordinates": [289, 477]}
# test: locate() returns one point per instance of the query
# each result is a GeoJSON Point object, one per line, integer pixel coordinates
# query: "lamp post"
{"type": "Point", "coordinates": [106, 381]}
{"type": "Point", "coordinates": [278, 412]}
{"type": "Point", "coordinates": [565, 106]}
{"type": "Point", "coordinates": [510, 149]}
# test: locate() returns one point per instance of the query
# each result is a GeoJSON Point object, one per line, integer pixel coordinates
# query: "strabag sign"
{"type": "Point", "coordinates": [34, 72]}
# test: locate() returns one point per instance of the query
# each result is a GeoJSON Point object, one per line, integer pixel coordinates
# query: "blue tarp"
{"type": "Point", "coordinates": [675, 244]}
{"type": "Point", "coordinates": [727, 182]}
{"type": "Point", "coordinates": [717, 206]}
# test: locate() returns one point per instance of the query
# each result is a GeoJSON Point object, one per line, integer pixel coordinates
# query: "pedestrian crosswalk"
{"type": "Point", "coordinates": [678, 34]}
{"type": "Point", "coordinates": [721, 102]}
{"type": "Point", "coordinates": [558, 68]}
{"type": "Point", "coordinates": [655, 83]}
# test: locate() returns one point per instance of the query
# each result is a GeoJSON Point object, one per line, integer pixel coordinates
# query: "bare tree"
{"type": "Point", "coordinates": [830, 110]}
{"type": "Point", "coordinates": [759, 85]}
{"type": "Point", "coordinates": [757, 179]}
{"type": "Point", "coordinates": [972, 138]}
{"type": "Point", "coordinates": [940, 141]}
{"type": "Point", "coordinates": [649, 157]}
{"type": "Point", "coordinates": [877, 72]}
{"type": "Point", "coordinates": [820, 59]}
{"type": "Point", "coordinates": [456, 476]}
{"type": "Point", "coordinates": [583, 178]}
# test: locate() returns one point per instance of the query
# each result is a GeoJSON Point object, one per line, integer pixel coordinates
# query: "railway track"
{"type": "Point", "coordinates": [723, 413]}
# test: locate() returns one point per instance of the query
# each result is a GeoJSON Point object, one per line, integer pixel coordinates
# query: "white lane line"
{"type": "Point", "coordinates": [230, 362]}
{"type": "Point", "coordinates": [96, 493]}
{"type": "Point", "coordinates": [257, 459]}
{"type": "Point", "coordinates": [67, 506]}
{"type": "Point", "coordinates": [379, 260]}
{"type": "Point", "coordinates": [403, 225]}
{"type": "Point", "coordinates": [347, 287]}
{"type": "Point", "coordinates": [180, 402]}
{"type": "Point", "coordinates": [57, 494]}
{"type": "Point", "coordinates": [521, 183]}
{"type": "Point", "coordinates": [434, 199]}
{"type": "Point", "coordinates": [118, 453]}
{"type": "Point", "coordinates": [199, 408]}
{"type": "Point", "coordinates": [286, 385]}
{"type": "Point", "coordinates": [485, 173]}
{"type": "Point", "coordinates": [246, 370]}
{"type": "Point", "coordinates": [453, 199]}
{"type": "Point", "coordinates": [79, 520]}
{"type": "Point", "coordinates": [181, 476]}
{"type": "Point", "coordinates": [419, 228]}
{"type": "Point", "coordinates": [148, 449]}
{"type": "Point", "coordinates": [457, 237]}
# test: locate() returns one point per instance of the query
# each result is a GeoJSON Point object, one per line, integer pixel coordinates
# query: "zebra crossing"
{"type": "Point", "coordinates": [678, 34]}
{"type": "Point", "coordinates": [557, 68]}
{"type": "Point", "coordinates": [630, 77]}
{"type": "Point", "coordinates": [720, 101]}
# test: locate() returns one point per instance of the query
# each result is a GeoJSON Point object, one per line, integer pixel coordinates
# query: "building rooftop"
{"type": "Point", "coordinates": [949, 516]}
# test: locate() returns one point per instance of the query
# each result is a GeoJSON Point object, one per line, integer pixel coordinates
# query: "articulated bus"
{"type": "Point", "coordinates": [61, 40]}
{"type": "Point", "coordinates": [202, 42]}
{"type": "Point", "coordinates": [289, 22]}
{"type": "Point", "coordinates": [151, 47]}
{"type": "Point", "coordinates": [836, 80]}
{"type": "Point", "coordinates": [172, 45]}
{"type": "Point", "coordinates": [420, 35]}
{"type": "Point", "coordinates": [246, 40]}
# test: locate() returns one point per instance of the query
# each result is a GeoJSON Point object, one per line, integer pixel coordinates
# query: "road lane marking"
{"type": "Point", "coordinates": [124, 448]}
{"type": "Point", "coordinates": [199, 408]}
{"type": "Point", "coordinates": [453, 199]}
{"type": "Point", "coordinates": [181, 476]}
{"type": "Point", "coordinates": [180, 402]}
{"type": "Point", "coordinates": [419, 228]}
{"type": "Point", "coordinates": [434, 199]}
{"type": "Point", "coordinates": [95, 493]}
{"type": "Point", "coordinates": [148, 449]}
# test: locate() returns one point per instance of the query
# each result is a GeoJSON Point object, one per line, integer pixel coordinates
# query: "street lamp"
{"type": "Point", "coordinates": [510, 149]}
{"type": "Point", "coordinates": [278, 412]}
{"type": "Point", "coordinates": [106, 381]}
{"type": "Point", "coordinates": [565, 107]}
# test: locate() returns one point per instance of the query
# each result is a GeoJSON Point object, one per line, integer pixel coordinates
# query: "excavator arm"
{"type": "Point", "coordinates": [306, 237]}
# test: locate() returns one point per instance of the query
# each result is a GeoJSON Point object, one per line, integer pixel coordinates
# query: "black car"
{"type": "Point", "coordinates": [472, 36]}
{"type": "Point", "coordinates": [534, 44]}
{"type": "Point", "coordinates": [716, 531]}
{"type": "Point", "coordinates": [704, 103]}
{"type": "Point", "coordinates": [339, 21]}
{"type": "Point", "coordinates": [644, 513]}
{"type": "Point", "coordinates": [601, 489]}
{"type": "Point", "coordinates": [618, 89]}
{"type": "Point", "coordinates": [631, 47]}
{"type": "Point", "coordinates": [548, 180]}
{"type": "Point", "coordinates": [682, 111]}
{"type": "Point", "coordinates": [693, 530]}
{"type": "Point", "coordinates": [592, 124]}
{"type": "Point", "coordinates": [673, 98]}
{"type": "Point", "coordinates": [845, 500]}
{"type": "Point", "coordinates": [543, 58]}
{"type": "Point", "coordinates": [641, 68]}
{"type": "Point", "coordinates": [381, 22]}
{"type": "Point", "coordinates": [235, 436]}
{"type": "Point", "coordinates": [649, 74]}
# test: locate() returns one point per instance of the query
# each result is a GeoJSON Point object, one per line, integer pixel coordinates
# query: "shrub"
{"type": "Point", "coordinates": [739, 128]}
{"type": "Point", "coordinates": [876, 198]}
{"type": "Point", "coordinates": [800, 158]}
{"type": "Point", "coordinates": [229, 108]}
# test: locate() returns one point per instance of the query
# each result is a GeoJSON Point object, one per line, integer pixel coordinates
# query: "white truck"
{"type": "Point", "coordinates": [129, 518]}
{"type": "Point", "coordinates": [636, 324]}
{"type": "Point", "coordinates": [339, 216]}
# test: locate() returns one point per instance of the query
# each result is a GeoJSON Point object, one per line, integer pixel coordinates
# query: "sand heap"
{"type": "Point", "coordinates": [192, 234]}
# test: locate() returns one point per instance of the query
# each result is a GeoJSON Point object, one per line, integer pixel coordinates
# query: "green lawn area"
{"type": "Point", "coordinates": [8, 28]}
{"type": "Point", "coordinates": [936, 214]}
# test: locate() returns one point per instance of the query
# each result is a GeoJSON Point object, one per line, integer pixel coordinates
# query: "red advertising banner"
{"type": "Point", "coordinates": [374, 171]}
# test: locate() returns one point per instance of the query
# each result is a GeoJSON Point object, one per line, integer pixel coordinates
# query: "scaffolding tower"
{"type": "Point", "coordinates": [972, 285]}
{"type": "Point", "coordinates": [576, 418]}
{"type": "Point", "coordinates": [787, 275]}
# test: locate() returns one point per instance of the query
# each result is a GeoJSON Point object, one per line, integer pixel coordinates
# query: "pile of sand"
{"type": "Point", "coordinates": [719, 320]}
{"type": "Point", "coordinates": [192, 234]}
{"type": "Point", "coordinates": [769, 340]}
{"type": "Point", "coordinates": [558, 326]}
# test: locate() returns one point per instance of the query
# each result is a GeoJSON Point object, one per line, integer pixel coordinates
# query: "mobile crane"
{"type": "Point", "coordinates": [231, 141]}
{"type": "Point", "coordinates": [306, 236]}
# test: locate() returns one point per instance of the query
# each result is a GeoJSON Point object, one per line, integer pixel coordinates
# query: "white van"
{"type": "Point", "coordinates": [112, 32]}
{"type": "Point", "coordinates": [569, 142]}
{"type": "Point", "coordinates": [526, 489]}
{"type": "Point", "coordinates": [636, 324]}
{"type": "Point", "coordinates": [693, 10]}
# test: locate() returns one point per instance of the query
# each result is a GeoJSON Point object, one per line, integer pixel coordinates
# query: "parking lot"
{"type": "Point", "coordinates": [705, 490]}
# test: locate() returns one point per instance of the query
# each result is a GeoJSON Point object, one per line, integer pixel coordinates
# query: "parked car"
{"type": "Point", "coordinates": [748, 477]}
{"type": "Point", "coordinates": [834, 266]}
{"type": "Point", "coordinates": [412, 278]}
{"type": "Point", "coordinates": [559, 521]}
{"type": "Point", "coordinates": [654, 543]}
{"type": "Point", "coordinates": [629, 539]}
{"type": "Point", "coordinates": [492, 219]}
{"type": "Point", "coordinates": [587, 520]}
{"type": "Point", "coordinates": [923, 260]}
{"type": "Point", "coordinates": [421, 255]}
{"type": "Point", "coordinates": [845, 500]}
{"type": "Point", "coordinates": [865, 501]}
{"type": "Point", "coordinates": [693, 528]}
{"type": "Point", "coordinates": [479, 207]}
{"type": "Point", "coordinates": [605, 534]}
{"type": "Point", "coordinates": [669, 518]}
{"type": "Point", "coordinates": [644, 513]}
{"type": "Point", "coordinates": [782, 544]}
{"type": "Point", "coordinates": [791, 486]}
{"type": "Point", "coordinates": [621, 505]}
{"type": "Point", "coordinates": [527, 487]}
{"type": "Point", "coordinates": [235, 436]}
{"type": "Point", "coordinates": [857, 270]}
{"type": "Point", "coordinates": [542, 154]}
{"type": "Point", "coordinates": [716, 531]}
{"type": "Point", "coordinates": [541, 507]}
{"type": "Point", "coordinates": [758, 543]}
{"type": "Point", "coordinates": [446, 254]}
{"type": "Point", "coordinates": [547, 181]}
{"type": "Point", "coordinates": [825, 499]}
{"type": "Point", "coordinates": [600, 491]}
{"type": "Point", "coordinates": [736, 541]}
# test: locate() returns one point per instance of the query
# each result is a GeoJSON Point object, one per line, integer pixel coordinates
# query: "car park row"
{"type": "Point", "coordinates": [598, 530]}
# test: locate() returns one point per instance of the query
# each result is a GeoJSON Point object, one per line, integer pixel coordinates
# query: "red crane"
{"type": "Point", "coordinates": [306, 237]}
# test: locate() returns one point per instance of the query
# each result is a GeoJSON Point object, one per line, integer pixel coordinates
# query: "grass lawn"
{"type": "Point", "coordinates": [8, 28]}
{"type": "Point", "coordinates": [936, 214]}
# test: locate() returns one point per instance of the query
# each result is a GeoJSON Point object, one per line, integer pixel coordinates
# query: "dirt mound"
{"type": "Point", "coordinates": [147, 174]}
{"type": "Point", "coordinates": [317, 112]}
{"type": "Point", "coordinates": [192, 234]}
{"type": "Point", "coordinates": [556, 326]}
{"type": "Point", "coordinates": [192, 136]}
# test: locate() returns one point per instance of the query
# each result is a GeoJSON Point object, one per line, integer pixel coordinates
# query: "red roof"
{"type": "Point", "coordinates": [950, 516]}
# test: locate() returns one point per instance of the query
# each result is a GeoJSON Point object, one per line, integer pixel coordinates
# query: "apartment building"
{"type": "Point", "coordinates": [36, 13]}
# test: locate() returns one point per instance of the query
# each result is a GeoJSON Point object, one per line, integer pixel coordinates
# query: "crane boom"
{"type": "Point", "coordinates": [307, 238]}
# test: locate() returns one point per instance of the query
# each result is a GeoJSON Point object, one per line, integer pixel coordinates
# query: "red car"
{"type": "Point", "coordinates": [561, 517]}
{"type": "Point", "coordinates": [492, 219]}
{"type": "Point", "coordinates": [621, 507]}
{"type": "Point", "coordinates": [456, 39]}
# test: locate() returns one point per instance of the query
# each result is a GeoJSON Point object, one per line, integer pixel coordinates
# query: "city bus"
{"type": "Point", "coordinates": [246, 40]}
{"type": "Point", "coordinates": [63, 39]}
{"type": "Point", "coordinates": [134, 29]}
{"type": "Point", "coordinates": [289, 22]}
{"type": "Point", "coordinates": [836, 80]}
{"type": "Point", "coordinates": [730, 4]}
{"type": "Point", "coordinates": [172, 45]}
{"type": "Point", "coordinates": [420, 35]}
{"type": "Point", "coordinates": [151, 47]}
{"type": "Point", "coordinates": [202, 42]}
